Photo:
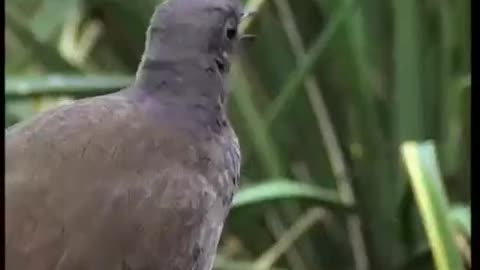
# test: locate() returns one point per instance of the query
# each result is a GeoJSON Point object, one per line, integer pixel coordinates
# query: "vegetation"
{"type": "Point", "coordinates": [353, 116]}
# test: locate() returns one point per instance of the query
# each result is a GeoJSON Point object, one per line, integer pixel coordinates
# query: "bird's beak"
{"type": "Point", "coordinates": [246, 15]}
{"type": "Point", "coordinates": [248, 37]}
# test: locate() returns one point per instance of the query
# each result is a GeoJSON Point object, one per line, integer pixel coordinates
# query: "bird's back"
{"type": "Point", "coordinates": [105, 183]}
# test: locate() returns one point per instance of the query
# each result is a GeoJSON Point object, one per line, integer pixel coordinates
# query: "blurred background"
{"type": "Point", "coordinates": [353, 117]}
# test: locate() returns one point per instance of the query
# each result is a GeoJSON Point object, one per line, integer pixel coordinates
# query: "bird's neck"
{"type": "Point", "coordinates": [185, 80]}
{"type": "Point", "coordinates": [187, 85]}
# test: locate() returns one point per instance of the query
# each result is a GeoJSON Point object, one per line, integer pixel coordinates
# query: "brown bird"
{"type": "Point", "coordinates": [141, 179]}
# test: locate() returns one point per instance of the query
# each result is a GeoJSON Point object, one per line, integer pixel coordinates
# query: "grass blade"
{"type": "Point", "coordinates": [279, 189]}
{"type": "Point", "coordinates": [297, 78]}
{"type": "Point", "coordinates": [304, 223]}
{"type": "Point", "coordinates": [62, 85]}
{"type": "Point", "coordinates": [42, 53]}
{"type": "Point", "coordinates": [461, 217]}
{"type": "Point", "coordinates": [48, 20]}
{"type": "Point", "coordinates": [421, 164]}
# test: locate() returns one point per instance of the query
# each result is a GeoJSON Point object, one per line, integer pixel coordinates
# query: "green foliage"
{"type": "Point", "coordinates": [430, 195]}
{"type": "Point", "coordinates": [287, 190]}
{"type": "Point", "coordinates": [322, 102]}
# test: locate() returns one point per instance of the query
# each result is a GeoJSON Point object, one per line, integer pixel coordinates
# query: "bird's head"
{"type": "Point", "coordinates": [195, 29]}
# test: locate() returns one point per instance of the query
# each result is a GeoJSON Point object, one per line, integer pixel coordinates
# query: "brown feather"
{"type": "Point", "coordinates": [141, 179]}
{"type": "Point", "coordinates": [82, 193]}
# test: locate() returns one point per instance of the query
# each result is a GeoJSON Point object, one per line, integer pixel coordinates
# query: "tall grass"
{"type": "Point", "coordinates": [322, 102]}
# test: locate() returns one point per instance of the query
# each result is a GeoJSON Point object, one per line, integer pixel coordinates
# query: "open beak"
{"type": "Point", "coordinates": [248, 37]}
{"type": "Point", "coordinates": [246, 15]}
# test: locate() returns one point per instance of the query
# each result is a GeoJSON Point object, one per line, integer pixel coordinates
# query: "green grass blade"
{"type": "Point", "coordinates": [464, 82]}
{"type": "Point", "coordinates": [297, 78]}
{"type": "Point", "coordinates": [48, 19]}
{"type": "Point", "coordinates": [421, 164]}
{"type": "Point", "coordinates": [461, 217]}
{"type": "Point", "coordinates": [41, 52]}
{"type": "Point", "coordinates": [261, 138]}
{"type": "Point", "coordinates": [282, 189]}
{"type": "Point", "coordinates": [408, 111]}
{"type": "Point", "coordinates": [251, 5]}
{"type": "Point", "coordinates": [62, 85]}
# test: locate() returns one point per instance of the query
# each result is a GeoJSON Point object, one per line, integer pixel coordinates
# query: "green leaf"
{"type": "Point", "coordinates": [283, 189]}
{"type": "Point", "coordinates": [61, 85]}
{"type": "Point", "coordinates": [296, 79]}
{"type": "Point", "coordinates": [407, 82]}
{"type": "Point", "coordinates": [251, 6]}
{"type": "Point", "coordinates": [261, 137]}
{"type": "Point", "coordinates": [461, 218]}
{"type": "Point", "coordinates": [46, 55]}
{"type": "Point", "coordinates": [463, 83]}
{"type": "Point", "coordinates": [421, 164]}
{"type": "Point", "coordinates": [48, 19]}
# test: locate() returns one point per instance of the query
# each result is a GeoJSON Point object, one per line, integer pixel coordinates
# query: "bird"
{"type": "Point", "coordinates": [139, 179]}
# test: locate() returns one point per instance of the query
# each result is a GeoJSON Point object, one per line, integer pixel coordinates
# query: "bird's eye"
{"type": "Point", "coordinates": [231, 33]}
{"type": "Point", "coordinates": [231, 29]}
